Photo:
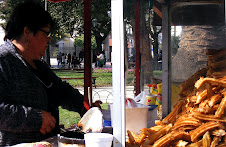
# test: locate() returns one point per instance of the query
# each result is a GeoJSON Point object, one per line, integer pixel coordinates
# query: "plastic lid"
{"type": "Point", "coordinates": [98, 137]}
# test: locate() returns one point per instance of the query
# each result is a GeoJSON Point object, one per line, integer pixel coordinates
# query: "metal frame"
{"type": "Point", "coordinates": [166, 62]}
{"type": "Point", "coordinates": [87, 55]}
{"type": "Point", "coordinates": [118, 76]}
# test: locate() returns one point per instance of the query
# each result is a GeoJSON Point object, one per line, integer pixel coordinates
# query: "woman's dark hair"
{"type": "Point", "coordinates": [28, 14]}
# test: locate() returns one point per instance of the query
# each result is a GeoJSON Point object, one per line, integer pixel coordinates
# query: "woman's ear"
{"type": "Point", "coordinates": [27, 32]}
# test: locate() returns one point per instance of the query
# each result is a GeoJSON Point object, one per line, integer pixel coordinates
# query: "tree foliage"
{"type": "Point", "coordinates": [70, 18]}
{"type": "Point", "coordinates": [79, 42]}
{"type": "Point", "coordinates": [6, 9]}
{"type": "Point", "coordinates": [146, 13]}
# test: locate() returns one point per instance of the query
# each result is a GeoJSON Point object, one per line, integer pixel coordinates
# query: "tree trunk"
{"type": "Point", "coordinates": [191, 55]}
{"type": "Point", "coordinates": [145, 49]}
{"type": "Point", "coordinates": [155, 51]}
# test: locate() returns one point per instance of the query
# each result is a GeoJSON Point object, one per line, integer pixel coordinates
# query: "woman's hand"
{"type": "Point", "coordinates": [97, 104]}
{"type": "Point", "coordinates": [48, 122]}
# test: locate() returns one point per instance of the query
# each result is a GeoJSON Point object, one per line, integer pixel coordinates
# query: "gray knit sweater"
{"type": "Point", "coordinates": [24, 92]}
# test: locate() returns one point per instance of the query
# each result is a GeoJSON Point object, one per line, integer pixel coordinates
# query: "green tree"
{"type": "Point", "coordinates": [79, 42]}
{"type": "Point", "coordinates": [6, 9]}
{"type": "Point", "coordinates": [70, 18]}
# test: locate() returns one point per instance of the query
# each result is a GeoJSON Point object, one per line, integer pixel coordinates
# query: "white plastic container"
{"type": "Point", "coordinates": [136, 118]}
{"type": "Point", "coordinates": [98, 140]}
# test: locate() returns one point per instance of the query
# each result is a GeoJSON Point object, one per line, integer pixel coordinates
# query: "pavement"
{"type": "Point", "coordinates": [105, 94]}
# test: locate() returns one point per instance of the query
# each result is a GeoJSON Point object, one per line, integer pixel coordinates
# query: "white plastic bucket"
{"type": "Point", "coordinates": [98, 139]}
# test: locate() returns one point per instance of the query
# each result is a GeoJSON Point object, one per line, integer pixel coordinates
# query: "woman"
{"type": "Point", "coordinates": [30, 93]}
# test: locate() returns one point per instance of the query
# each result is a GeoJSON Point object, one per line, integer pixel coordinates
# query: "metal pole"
{"type": "Point", "coordinates": [118, 76]}
{"type": "Point", "coordinates": [87, 53]}
{"type": "Point", "coordinates": [137, 45]}
{"type": "Point", "coordinates": [166, 62]}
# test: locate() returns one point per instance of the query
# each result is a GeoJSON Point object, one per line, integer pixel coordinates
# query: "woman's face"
{"type": "Point", "coordinates": [38, 43]}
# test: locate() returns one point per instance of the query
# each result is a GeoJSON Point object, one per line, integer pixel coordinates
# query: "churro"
{"type": "Point", "coordinates": [215, 141]}
{"type": "Point", "coordinates": [217, 82]}
{"type": "Point", "coordinates": [160, 133]}
{"type": "Point", "coordinates": [171, 118]}
{"type": "Point", "coordinates": [215, 99]}
{"type": "Point", "coordinates": [221, 108]}
{"type": "Point", "coordinates": [195, 134]}
{"type": "Point", "coordinates": [206, 141]}
{"type": "Point", "coordinates": [132, 137]}
{"type": "Point", "coordinates": [209, 117]}
{"type": "Point", "coordinates": [201, 96]}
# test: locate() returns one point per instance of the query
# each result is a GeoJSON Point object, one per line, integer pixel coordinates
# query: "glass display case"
{"type": "Point", "coordinates": [176, 47]}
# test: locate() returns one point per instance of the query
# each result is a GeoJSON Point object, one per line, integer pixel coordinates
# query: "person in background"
{"type": "Point", "coordinates": [30, 92]}
{"type": "Point", "coordinates": [73, 59]}
{"type": "Point", "coordinates": [100, 59]}
{"type": "Point", "coordinates": [63, 60]}
{"type": "Point", "coordinates": [69, 60]}
{"type": "Point", "coordinates": [81, 55]}
{"type": "Point", "coordinates": [59, 59]}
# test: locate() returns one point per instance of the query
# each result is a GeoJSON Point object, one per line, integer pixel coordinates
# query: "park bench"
{"type": "Point", "coordinates": [82, 78]}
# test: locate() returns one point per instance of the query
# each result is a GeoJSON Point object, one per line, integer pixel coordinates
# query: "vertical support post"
{"type": "Point", "coordinates": [87, 53]}
{"type": "Point", "coordinates": [166, 62]}
{"type": "Point", "coordinates": [137, 45]}
{"type": "Point", "coordinates": [118, 76]}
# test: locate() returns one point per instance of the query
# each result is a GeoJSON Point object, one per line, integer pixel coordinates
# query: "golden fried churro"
{"type": "Point", "coordinates": [222, 145]}
{"type": "Point", "coordinates": [163, 141]}
{"type": "Point", "coordinates": [146, 131]}
{"type": "Point", "coordinates": [219, 132]}
{"type": "Point", "coordinates": [159, 123]}
{"type": "Point", "coordinates": [172, 116]}
{"type": "Point", "coordinates": [180, 143]}
{"type": "Point", "coordinates": [192, 99]}
{"type": "Point", "coordinates": [221, 108]}
{"type": "Point", "coordinates": [196, 144]}
{"type": "Point", "coordinates": [188, 86]}
{"type": "Point", "coordinates": [155, 128]}
{"type": "Point", "coordinates": [206, 141]}
{"type": "Point", "coordinates": [210, 92]}
{"type": "Point", "coordinates": [204, 106]}
{"type": "Point", "coordinates": [132, 137]}
{"type": "Point", "coordinates": [140, 138]}
{"type": "Point", "coordinates": [186, 121]}
{"type": "Point", "coordinates": [215, 141]}
{"type": "Point", "coordinates": [184, 128]}
{"type": "Point", "coordinates": [201, 96]}
{"type": "Point", "coordinates": [132, 145]}
{"type": "Point", "coordinates": [195, 134]}
{"type": "Point", "coordinates": [173, 136]}
{"type": "Point", "coordinates": [209, 117]}
{"type": "Point", "coordinates": [215, 99]}
{"type": "Point", "coordinates": [217, 82]}
{"type": "Point", "coordinates": [159, 134]}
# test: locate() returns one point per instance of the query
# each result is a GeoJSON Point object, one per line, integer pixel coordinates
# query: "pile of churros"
{"type": "Point", "coordinates": [197, 120]}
